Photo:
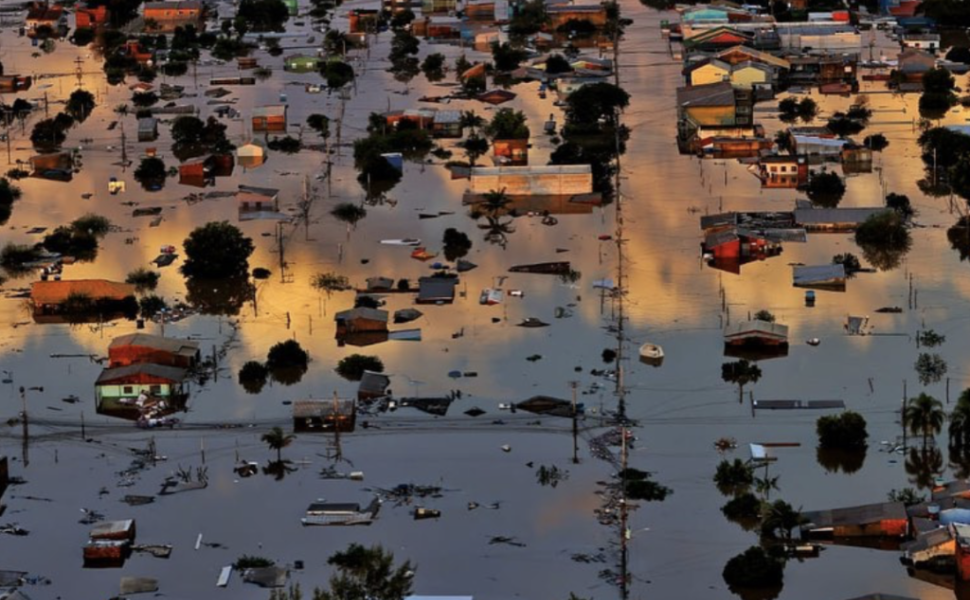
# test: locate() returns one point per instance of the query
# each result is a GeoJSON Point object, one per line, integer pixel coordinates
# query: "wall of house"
{"type": "Point", "coordinates": [129, 355]}
{"type": "Point", "coordinates": [133, 390]}
{"type": "Point", "coordinates": [712, 115]}
{"type": "Point", "coordinates": [747, 77]}
{"type": "Point", "coordinates": [709, 74]}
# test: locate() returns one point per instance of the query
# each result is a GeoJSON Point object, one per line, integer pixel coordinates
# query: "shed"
{"type": "Point", "coordinates": [885, 519]}
{"type": "Point", "coordinates": [146, 348]}
{"type": "Point", "coordinates": [114, 530]}
{"type": "Point", "coordinates": [325, 415]}
{"type": "Point", "coordinates": [269, 118]}
{"type": "Point", "coordinates": [436, 290]}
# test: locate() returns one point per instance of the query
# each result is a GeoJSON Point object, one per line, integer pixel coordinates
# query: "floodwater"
{"type": "Point", "coordinates": [677, 549]}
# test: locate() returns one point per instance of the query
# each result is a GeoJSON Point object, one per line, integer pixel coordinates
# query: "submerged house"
{"type": "Point", "coordinates": [372, 386]}
{"type": "Point", "coordinates": [44, 16]}
{"type": "Point", "coordinates": [136, 348]}
{"type": "Point", "coordinates": [254, 202]}
{"type": "Point", "coordinates": [713, 109]}
{"type": "Point", "coordinates": [361, 326]}
{"type": "Point", "coordinates": [164, 17]}
{"type": "Point", "coordinates": [147, 129]}
{"type": "Point", "coordinates": [835, 220]}
{"type": "Point", "coordinates": [325, 415]}
{"type": "Point", "coordinates": [81, 300]}
{"type": "Point", "coordinates": [551, 180]}
{"type": "Point", "coordinates": [53, 167]}
{"type": "Point", "coordinates": [885, 519]}
{"type": "Point", "coordinates": [783, 171]}
{"type": "Point", "coordinates": [756, 333]}
{"type": "Point", "coordinates": [436, 290]}
{"type": "Point", "coordinates": [140, 387]}
{"type": "Point", "coordinates": [826, 277]}
{"type": "Point", "coordinates": [11, 84]}
{"type": "Point", "coordinates": [269, 118]}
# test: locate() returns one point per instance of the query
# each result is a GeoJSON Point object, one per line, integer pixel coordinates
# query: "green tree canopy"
{"type": "Point", "coordinates": [217, 250]}
{"type": "Point", "coordinates": [367, 574]}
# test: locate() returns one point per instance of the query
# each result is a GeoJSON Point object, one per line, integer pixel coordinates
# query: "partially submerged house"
{"type": "Point", "coordinates": [783, 171]}
{"type": "Point", "coordinates": [826, 277]}
{"type": "Point", "coordinates": [147, 129]}
{"type": "Point", "coordinates": [436, 290]}
{"type": "Point", "coordinates": [333, 513]}
{"type": "Point", "coordinates": [58, 166]}
{"type": "Point", "coordinates": [86, 17]}
{"type": "Point", "coordinates": [136, 348]}
{"type": "Point", "coordinates": [43, 16]}
{"type": "Point", "coordinates": [756, 333]}
{"type": "Point", "coordinates": [109, 543]}
{"type": "Point", "coordinates": [137, 385]}
{"type": "Point", "coordinates": [835, 220]}
{"type": "Point", "coordinates": [81, 299]}
{"type": "Point", "coordinates": [361, 326]}
{"type": "Point", "coordinates": [325, 415]}
{"type": "Point", "coordinates": [885, 519]}
{"type": "Point", "coordinates": [550, 180]}
{"type": "Point", "coordinates": [447, 124]}
{"type": "Point", "coordinates": [254, 202]}
{"type": "Point", "coordinates": [269, 118]}
{"type": "Point", "coordinates": [714, 109]}
{"type": "Point", "coordinates": [11, 84]}
{"type": "Point", "coordinates": [372, 386]}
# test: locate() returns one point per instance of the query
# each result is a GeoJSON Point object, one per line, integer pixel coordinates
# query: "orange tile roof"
{"type": "Point", "coordinates": [56, 292]}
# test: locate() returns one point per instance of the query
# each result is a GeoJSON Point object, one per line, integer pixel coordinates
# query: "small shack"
{"type": "Point", "coordinates": [372, 386]}
{"type": "Point", "coordinates": [269, 118]}
{"type": "Point", "coordinates": [54, 167]}
{"type": "Point", "coordinates": [360, 319]}
{"type": "Point", "coordinates": [447, 124]}
{"type": "Point", "coordinates": [325, 415]}
{"type": "Point", "coordinates": [137, 348]}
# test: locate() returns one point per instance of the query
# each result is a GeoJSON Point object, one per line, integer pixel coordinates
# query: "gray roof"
{"type": "Point", "coordinates": [717, 238]}
{"type": "Point", "coordinates": [157, 342]}
{"type": "Point", "coordinates": [712, 94]}
{"type": "Point", "coordinates": [147, 124]}
{"type": "Point", "coordinates": [756, 326]}
{"type": "Point", "coordinates": [373, 383]}
{"type": "Point", "coordinates": [111, 528]}
{"type": "Point", "coordinates": [822, 216]}
{"type": "Point", "coordinates": [431, 288]}
{"type": "Point", "coordinates": [183, 4]}
{"type": "Point", "coordinates": [171, 373]}
{"type": "Point", "coordinates": [303, 409]}
{"type": "Point", "coordinates": [262, 191]}
{"type": "Point", "coordinates": [447, 116]}
{"type": "Point", "coordinates": [856, 515]}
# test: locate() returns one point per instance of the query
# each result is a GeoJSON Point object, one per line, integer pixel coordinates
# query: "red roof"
{"type": "Point", "coordinates": [56, 292]}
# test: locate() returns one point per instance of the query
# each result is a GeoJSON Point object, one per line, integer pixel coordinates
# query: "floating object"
{"type": "Point", "coordinates": [810, 298]}
{"type": "Point", "coordinates": [474, 412]}
{"type": "Point", "coordinates": [491, 297]}
{"type": "Point", "coordinates": [406, 315]}
{"type": "Point", "coordinates": [533, 322]}
{"type": "Point", "coordinates": [402, 242]}
{"type": "Point", "coordinates": [463, 265]}
{"type": "Point", "coordinates": [652, 354]}
{"type": "Point", "coordinates": [547, 268]}
{"type": "Point", "coordinates": [426, 513]}
{"type": "Point", "coordinates": [421, 253]}
{"type": "Point", "coordinates": [506, 448]}
{"type": "Point", "coordinates": [813, 341]}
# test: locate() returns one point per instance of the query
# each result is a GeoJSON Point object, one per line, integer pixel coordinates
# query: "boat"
{"type": "Point", "coordinates": [547, 268]}
{"type": "Point", "coordinates": [323, 513]}
{"type": "Point", "coordinates": [402, 242]}
{"type": "Point", "coordinates": [164, 260]}
{"type": "Point", "coordinates": [652, 354]}
{"type": "Point", "coordinates": [533, 322]}
{"type": "Point", "coordinates": [813, 341]}
{"type": "Point", "coordinates": [463, 265]}
{"type": "Point", "coordinates": [426, 513]}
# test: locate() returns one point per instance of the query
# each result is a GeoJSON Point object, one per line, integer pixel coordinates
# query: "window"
{"type": "Point", "coordinates": [156, 389]}
{"type": "Point", "coordinates": [128, 389]}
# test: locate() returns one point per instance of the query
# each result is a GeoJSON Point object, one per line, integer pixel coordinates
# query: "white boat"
{"type": "Point", "coordinates": [402, 242]}
{"type": "Point", "coordinates": [652, 354]}
{"type": "Point", "coordinates": [813, 341]}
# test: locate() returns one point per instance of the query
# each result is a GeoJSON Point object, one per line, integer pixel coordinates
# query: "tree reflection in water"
{"type": "Point", "coordinates": [959, 237]}
{"type": "Point", "coordinates": [834, 461]}
{"type": "Point", "coordinates": [923, 465]}
{"type": "Point", "coordinates": [279, 469]}
{"type": "Point", "coordinates": [219, 296]}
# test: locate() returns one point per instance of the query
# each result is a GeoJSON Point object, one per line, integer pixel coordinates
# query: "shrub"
{"type": "Point", "coordinates": [143, 279]}
{"type": "Point", "coordinates": [845, 431]}
{"type": "Point", "coordinates": [352, 367]}
{"type": "Point", "coordinates": [731, 477]}
{"type": "Point", "coordinates": [754, 569]}
{"type": "Point", "coordinates": [287, 355]}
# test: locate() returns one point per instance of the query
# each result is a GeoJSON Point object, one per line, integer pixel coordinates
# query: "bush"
{"type": "Point", "coordinates": [151, 173]}
{"type": "Point", "coordinates": [352, 367]}
{"type": "Point", "coordinates": [846, 431]}
{"type": "Point", "coordinates": [850, 262]}
{"type": "Point", "coordinates": [286, 145]}
{"type": "Point", "coordinates": [92, 224]}
{"type": "Point", "coordinates": [217, 250]}
{"type": "Point", "coordinates": [764, 315]}
{"type": "Point", "coordinates": [151, 305]}
{"type": "Point", "coordinates": [876, 142]}
{"type": "Point", "coordinates": [826, 189]}
{"type": "Point", "coordinates": [743, 508]}
{"type": "Point", "coordinates": [143, 279]}
{"type": "Point", "coordinates": [14, 256]}
{"type": "Point", "coordinates": [901, 204]}
{"type": "Point", "coordinates": [251, 562]}
{"type": "Point", "coordinates": [456, 244]}
{"type": "Point", "coordinates": [638, 486]}
{"type": "Point", "coordinates": [349, 213]}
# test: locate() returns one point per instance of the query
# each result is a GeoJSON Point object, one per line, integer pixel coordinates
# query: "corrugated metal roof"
{"type": "Point", "coordinates": [173, 374]}
{"type": "Point", "coordinates": [857, 515]}
{"type": "Point", "coordinates": [275, 110]}
{"type": "Point", "coordinates": [821, 216]}
{"type": "Point", "coordinates": [756, 326]}
{"type": "Point", "coordinates": [361, 312]}
{"type": "Point", "coordinates": [534, 170]}
{"type": "Point", "coordinates": [174, 345]}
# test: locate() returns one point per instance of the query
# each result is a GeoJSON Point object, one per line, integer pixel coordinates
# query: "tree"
{"type": "Point", "coordinates": [79, 105]}
{"type": "Point", "coordinates": [938, 93]}
{"type": "Point", "coordinates": [456, 244]}
{"type": "Point", "coordinates": [252, 376]}
{"type": "Point", "coordinates": [433, 67]}
{"type": "Point", "coordinates": [960, 422]}
{"type": "Point", "coordinates": [557, 64]}
{"type": "Point", "coordinates": [475, 147]}
{"type": "Point", "coordinates": [471, 120]}
{"type": "Point", "coordinates": [876, 142]}
{"type": "Point", "coordinates": [826, 189]}
{"type": "Point", "coordinates": [217, 250]}
{"type": "Point", "coordinates": [884, 239]}
{"type": "Point", "coordinates": [740, 372]}
{"type": "Point", "coordinates": [754, 568]}
{"type": "Point", "coordinates": [337, 73]}
{"type": "Point", "coordinates": [529, 18]}
{"type": "Point", "coordinates": [277, 439]}
{"type": "Point", "coordinates": [900, 203]}
{"type": "Point", "coordinates": [846, 431]}
{"type": "Point", "coordinates": [144, 99]}
{"type": "Point", "coordinates": [779, 520]}
{"type": "Point", "coordinates": [349, 213]}
{"type": "Point", "coordinates": [287, 355]}
{"type": "Point", "coordinates": [930, 368]}
{"type": "Point", "coordinates": [330, 282]}
{"type": "Point", "coordinates": [143, 279]}
{"type": "Point", "coordinates": [496, 201]}
{"type": "Point", "coordinates": [960, 54]}
{"type": "Point", "coordinates": [320, 124]}
{"type": "Point", "coordinates": [506, 57]}
{"type": "Point", "coordinates": [151, 173]}
{"type": "Point", "coordinates": [733, 477]}
{"type": "Point", "coordinates": [594, 105]}
{"type": "Point", "coordinates": [850, 262]}
{"type": "Point", "coordinates": [187, 130]}
{"type": "Point", "coordinates": [924, 416]}
{"type": "Point", "coordinates": [959, 237]}
{"type": "Point", "coordinates": [367, 574]}
{"type": "Point", "coordinates": [49, 134]}
{"type": "Point", "coordinates": [261, 15]}
{"type": "Point", "coordinates": [508, 124]}
{"type": "Point", "coordinates": [352, 367]}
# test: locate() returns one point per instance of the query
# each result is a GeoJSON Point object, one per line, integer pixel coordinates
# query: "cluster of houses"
{"type": "Point", "coordinates": [734, 239]}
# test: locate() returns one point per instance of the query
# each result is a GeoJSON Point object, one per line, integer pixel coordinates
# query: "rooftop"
{"type": "Point", "coordinates": [173, 345]}
{"type": "Point", "coordinates": [56, 292]}
{"type": "Point", "coordinates": [173, 374]}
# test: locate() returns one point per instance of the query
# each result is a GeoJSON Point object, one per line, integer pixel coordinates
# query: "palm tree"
{"type": "Point", "coordinates": [741, 372]}
{"type": "Point", "coordinates": [471, 120]}
{"type": "Point", "coordinates": [924, 416]}
{"type": "Point", "coordinates": [960, 422]}
{"type": "Point", "coordinates": [277, 439]}
{"type": "Point", "coordinates": [779, 520]}
{"type": "Point", "coordinates": [923, 466]}
{"type": "Point", "coordinates": [496, 201]}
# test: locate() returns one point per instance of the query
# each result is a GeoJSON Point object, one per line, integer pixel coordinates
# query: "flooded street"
{"type": "Point", "coordinates": [677, 548]}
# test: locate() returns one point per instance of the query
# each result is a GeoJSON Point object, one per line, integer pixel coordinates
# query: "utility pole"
{"type": "Point", "coordinates": [624, 530]}
{"type": "Point", "coordinates": [338, 452]}
{"type": "Point", "coordinates": [573, 385]}
{"type": "Point", "coordinates": [26, 428]}
{"type": "Point", "coordinates": [79, 71]}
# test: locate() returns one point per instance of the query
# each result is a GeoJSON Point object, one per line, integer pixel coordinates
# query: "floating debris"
{"type": "Point", "coordinates": [508, 541]}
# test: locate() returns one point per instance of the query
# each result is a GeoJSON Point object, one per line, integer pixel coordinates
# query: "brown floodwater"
{"type": "Point", "coordinates": [678, 548]}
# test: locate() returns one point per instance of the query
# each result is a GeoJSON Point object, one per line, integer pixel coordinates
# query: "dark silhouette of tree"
{"type": "Point", "coordinates": [277, 439]}
{"type": "Point", "coordinates": [924, 416]}
{"type": "Point", "coordinates": [740, 372]}
{"type": "Point", "coordinates": [367, 574]}
{"type": "Point", "coordinates": [217, 250]}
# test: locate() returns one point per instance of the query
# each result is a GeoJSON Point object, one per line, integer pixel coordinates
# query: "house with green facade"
{"type": "Point", "coordinates": [301, 63]}
{"type": "Point", "coordinates": [138, 385]}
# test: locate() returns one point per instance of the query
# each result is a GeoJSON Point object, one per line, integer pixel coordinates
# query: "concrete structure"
{"type": "Point", "coordinates": [554, 180]}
